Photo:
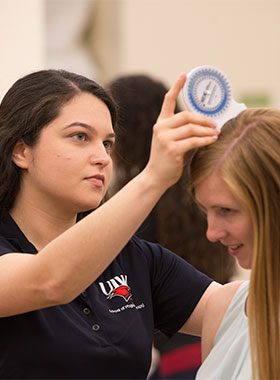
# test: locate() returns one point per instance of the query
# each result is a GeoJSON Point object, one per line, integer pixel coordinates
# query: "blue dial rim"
{"type": "Point", "coordinates": [222, 82]}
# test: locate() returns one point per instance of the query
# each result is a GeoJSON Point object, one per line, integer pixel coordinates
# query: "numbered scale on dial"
{"type": "Point", "coordinates": [208, 91]}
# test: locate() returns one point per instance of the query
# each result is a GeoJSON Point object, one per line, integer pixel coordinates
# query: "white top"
{"type": "Point", "coordinates": [230, 358]}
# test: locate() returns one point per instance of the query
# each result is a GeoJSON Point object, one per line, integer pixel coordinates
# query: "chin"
{"type": "Point", "coordinates": [245, 265]}
{"type": "Point", "coordinates": [87, 207]}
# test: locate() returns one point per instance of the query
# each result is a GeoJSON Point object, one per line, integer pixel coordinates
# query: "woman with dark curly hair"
{"type": "Point", "coordinates": [81, 300]}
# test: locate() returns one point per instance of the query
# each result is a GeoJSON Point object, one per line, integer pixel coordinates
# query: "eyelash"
{"type": "Point", "coordinates": [80, 134]}
{"type": "Point", "coordinates": [225, 211]}
{"type": "Point", "coordinates": [85, 138]}
{"type": "Point", "coordinates": [110, 144]}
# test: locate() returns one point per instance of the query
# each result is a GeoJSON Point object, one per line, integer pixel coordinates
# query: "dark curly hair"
{"type": "Point", "coordinates": [175, 221]}
{"type": "Point", "coordinates": [31, 103]}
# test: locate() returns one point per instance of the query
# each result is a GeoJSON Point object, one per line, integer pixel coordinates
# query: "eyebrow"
{"type": "Point", "coordinates": [199, 205]}
{"type": "Point", "coordinates": [211, 207]}
{"type": "Point", "coordinates": [88, 127]}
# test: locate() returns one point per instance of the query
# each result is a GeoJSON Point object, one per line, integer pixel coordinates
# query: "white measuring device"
{"type": "Point", "coordinates": [208, 91]}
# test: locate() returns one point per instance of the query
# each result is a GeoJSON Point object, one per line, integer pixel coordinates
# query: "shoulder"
{"type": "Point", "coordinates": [9, 233]}
{"type": "Point", "coordinates": [216, 307]}
{"type": "Point", "coordinates": [222, 296]}
{"type": "Point", "coordinates": [163, 261]}
{"type": "Point", "coordinates": [153, 253]}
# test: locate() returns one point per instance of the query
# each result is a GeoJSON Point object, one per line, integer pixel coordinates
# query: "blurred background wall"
{"type": "Point", "coordinates": [107, 38]}
{"type": "Point", "coordinates": [22, 39]}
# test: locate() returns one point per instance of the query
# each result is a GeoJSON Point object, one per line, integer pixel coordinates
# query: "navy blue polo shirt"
{"type": "Point", "coordinates": [107, 331]}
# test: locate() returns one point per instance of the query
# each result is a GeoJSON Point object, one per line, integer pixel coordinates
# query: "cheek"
{"type": "Point", "coordinates": [61, 162]}
{"type": "Point", "coordinates": [57, 166]}
{"type": "Point", "coordinates": [67, 159]}
{"type": "Point", "coordinates": [247, 231]}
{"type": "Point", "coordinates": [109, 172]}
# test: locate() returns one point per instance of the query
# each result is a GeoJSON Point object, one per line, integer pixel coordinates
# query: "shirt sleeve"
{"type": "Point", "coordinates": [176, 287]}
{"type": "Point", "coordinates": [6, 246]}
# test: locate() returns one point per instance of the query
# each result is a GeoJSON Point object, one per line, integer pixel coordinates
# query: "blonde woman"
{"type": "Point", "coordinates": [236, 182]}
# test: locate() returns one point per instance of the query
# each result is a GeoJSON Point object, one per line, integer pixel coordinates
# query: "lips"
{"type": "Point", "coordinates": [234, 249]}
{"type": "Point", "coordinates": [97, 179]}
{"type": "Point", "coordinates": [235, 246]}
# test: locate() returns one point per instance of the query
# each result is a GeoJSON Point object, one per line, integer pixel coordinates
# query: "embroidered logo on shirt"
{"type": "Point", "coordinates": [116, 286]}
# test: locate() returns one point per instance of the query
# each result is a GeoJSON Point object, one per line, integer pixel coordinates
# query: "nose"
{"type": "Point", "coordinates": [100, 156]}
{"type": "Point", "coordinates": [215, 230]}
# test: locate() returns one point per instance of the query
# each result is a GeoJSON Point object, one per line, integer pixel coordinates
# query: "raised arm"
{"type": "Point", "coordinates": [72, 261]}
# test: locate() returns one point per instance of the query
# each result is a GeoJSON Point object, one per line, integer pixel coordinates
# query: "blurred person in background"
{"type": "Point", "coordinates": [175, 221]}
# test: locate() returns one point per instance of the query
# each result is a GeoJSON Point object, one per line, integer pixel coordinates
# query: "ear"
{"type": "Point", "coordinates": [20, 154]}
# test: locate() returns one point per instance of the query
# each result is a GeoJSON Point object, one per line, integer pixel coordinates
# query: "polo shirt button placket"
{"type": "Point", "coordinates": [86, 311]}
{"type": "Point", "coordinates": [95, 327]}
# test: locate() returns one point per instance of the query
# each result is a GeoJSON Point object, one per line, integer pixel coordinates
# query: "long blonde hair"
{"type": "Point", "coordinates": [247, 157]}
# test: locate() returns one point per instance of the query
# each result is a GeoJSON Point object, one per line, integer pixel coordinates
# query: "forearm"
{"type": "Point", "coordinates": [72, 261]}
{"type": "Point", "coordinates": [78, 256]}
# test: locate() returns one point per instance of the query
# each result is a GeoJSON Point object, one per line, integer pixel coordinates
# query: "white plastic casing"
{"type": "Point", "coordinates": [208, 91]}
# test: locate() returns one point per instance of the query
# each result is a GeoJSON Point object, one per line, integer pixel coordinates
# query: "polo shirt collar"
{"type": "Point", "coordinates": [10, 230]}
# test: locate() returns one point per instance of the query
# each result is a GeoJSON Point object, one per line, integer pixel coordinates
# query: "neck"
{"type": "Point", "coordinates": [40, 225]}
